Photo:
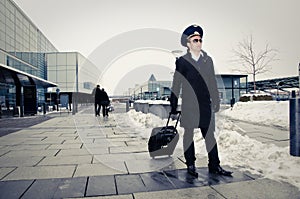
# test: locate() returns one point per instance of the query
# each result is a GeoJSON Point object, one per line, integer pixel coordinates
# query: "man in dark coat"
{"type": "Point", "coordinates": [97, 95]}
{"type": "Point", "coordinates": [195, 78]}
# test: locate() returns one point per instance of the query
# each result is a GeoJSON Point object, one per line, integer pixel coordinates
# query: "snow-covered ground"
{"type": "Point", "coordinates": [270, 113]}
{"type": "Point", "coordinates": [239, 151]}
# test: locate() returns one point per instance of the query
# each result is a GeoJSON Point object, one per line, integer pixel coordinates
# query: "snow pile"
{"type": "Point", "coordinates": [270, 113]}
{"type": "Point", "coordinates": [251, 155]}
{"type": "Point", "coordinates": [239, 151]}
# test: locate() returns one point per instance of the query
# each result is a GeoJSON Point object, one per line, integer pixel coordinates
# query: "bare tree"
{"type": "Point", "coordinates": [253, 62]}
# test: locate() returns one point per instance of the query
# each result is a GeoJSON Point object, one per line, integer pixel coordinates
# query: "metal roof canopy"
{"type": "Point", "coordinates": [37, 80]}
{"type": "Point", "coordinates": [286, 82]}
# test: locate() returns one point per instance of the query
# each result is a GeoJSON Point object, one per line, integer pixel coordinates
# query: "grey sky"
{"type": "Point", "coordinates": [83, 25]}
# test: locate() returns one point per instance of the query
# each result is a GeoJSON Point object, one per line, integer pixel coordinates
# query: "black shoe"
{"type": "Point", "coordinates": [220, 171]}
{"type": "Point", "coordinates": [191, 169]}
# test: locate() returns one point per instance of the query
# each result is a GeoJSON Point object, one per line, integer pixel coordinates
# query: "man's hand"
{"type": "Point", "coordinates": [174, 114]}
{"type": "Point", "coordinates": [174, 111]}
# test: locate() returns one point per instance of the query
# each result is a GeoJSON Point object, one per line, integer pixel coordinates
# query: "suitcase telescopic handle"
{"type": "Point", "coordinates": [179, 114]}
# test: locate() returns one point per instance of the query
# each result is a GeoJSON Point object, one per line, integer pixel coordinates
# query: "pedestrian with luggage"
{"type": "Point", "coordinates": [195, 77]}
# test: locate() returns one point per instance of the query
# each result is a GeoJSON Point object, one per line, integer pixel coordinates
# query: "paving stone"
{"type": "Point", "coordinates": [183, 176]}
{"type": "Point", "coordinates": [98, 151]}
{"type": "Point", "coordinates": [5, 171]}
{"type": "Point", "coordinates": [65, 146]}
{"type": "Point", "coordinates": [114, 143]}
{"type": "Point", "coordinates": [260, 188]}
{"type": "Point", "coordinates": [72, 152]}
{"type": "Point", "coordinates": [129, 184]}
{"type": "Point", "coordinates": [100, 169]}
{"type": "Point", "coordinates": [13, 189]}
{"type": "Point", "coordinates": [141, 156]}
{"type": "Point", "coordinates": [70, 135]}
{"type": "Point", "coordinates": [136, 143]}
{"type": "Point", "coordinates": [24, 147]}
{"type": "Point", "coordinates": [66, 160]}
{"type": "Point", "coordinates": [116, 140]}
{"type": "Point", "coordinates": [29, 153]}
{"type": "Point", "coordinates": [113, 157]}
{"type": "Point", "coordinates": [101, 186]}
{"type": "Point", "coordinates": [182, 179]}
{"type": "Point", "coordinates": [10, 142]}
{"type": "Point", "coordinates": [75, 141]}
{"type": "Point", "coordinates": [126, 196]}
{"type": "Point", "coordinates": [54, 139]}
{"type": "Point", "coordinates": [198, 192]}
{"type": "Point", "coordinates": [156, 181]}
{"type": "Point", "coordinates": [128, 149]}
{"type": "Point", "coordinates": [41, 172]}
{"type": "Point", "coordinates": [33, 138]}
{"type": "Point", "coordinates": [149, 165]}
{"type": "Point", "coordinates": [95, 134]}
{"type": "Point", "coordinates": [86, 140]}
{"type": "Point", "coordinates": [19, 161]}
{"type": "Point", "coordinates": [3, 151]}
{"type": "Point", "coordinates": [121, 136]}
{"type": "Point", "coordinates": [105, 144]}
{"type": "Point", "coordinates": [57, 188]}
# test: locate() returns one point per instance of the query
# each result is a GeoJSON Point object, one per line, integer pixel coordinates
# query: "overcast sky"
{"type": "Point", "coordinates": [87, 26]}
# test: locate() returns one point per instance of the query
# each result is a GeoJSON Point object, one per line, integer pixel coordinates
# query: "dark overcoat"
{"type": "Point", "coordinates": [97, 94]}
{"type": "Point", "coordinates": [197, 82]}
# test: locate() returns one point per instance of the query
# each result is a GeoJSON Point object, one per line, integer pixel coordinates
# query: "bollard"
{"type": "Point", "coordinates": [44, 108]}
{"type": "Point", "coordinates": [294, 125]}
{"type": "Point", "coordinates": [127, 106]}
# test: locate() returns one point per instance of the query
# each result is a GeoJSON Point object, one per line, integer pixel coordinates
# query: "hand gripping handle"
{"type": "Point", "coordinates": [179, 114]}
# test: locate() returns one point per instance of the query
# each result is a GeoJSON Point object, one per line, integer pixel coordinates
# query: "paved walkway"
{"type": "Point", "coordinates": [79, 156]}
{"type": "Point", "coordinates": [265, 134]}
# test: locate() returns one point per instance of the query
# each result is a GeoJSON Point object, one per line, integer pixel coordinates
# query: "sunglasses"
{"type": "Point", "coordinates": [197, 40]}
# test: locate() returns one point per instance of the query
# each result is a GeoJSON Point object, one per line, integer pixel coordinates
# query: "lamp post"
{"type": "Point", "coordinates": [176, 53]}
{"type": "Point", "coordinates": [278, 85]}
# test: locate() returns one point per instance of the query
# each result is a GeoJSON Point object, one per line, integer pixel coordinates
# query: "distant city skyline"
{"type": "Point", "coordinates": [83, 26]}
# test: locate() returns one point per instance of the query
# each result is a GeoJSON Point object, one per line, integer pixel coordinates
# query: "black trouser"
{"type": "Point", "coordinates": [104, 110]}
{"type": "Point", "coordinates": [211, 147]}
{"type": "Point", "coordinates": [97, 108]}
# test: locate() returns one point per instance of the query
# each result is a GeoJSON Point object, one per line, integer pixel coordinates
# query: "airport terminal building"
{"type": "Point", "coordinates": [230, 86]}
{"type": "Point", "coordinates": [33, 71]}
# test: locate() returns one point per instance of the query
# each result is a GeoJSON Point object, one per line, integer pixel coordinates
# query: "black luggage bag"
{"type": "Point", "coordinates": [163, 140]}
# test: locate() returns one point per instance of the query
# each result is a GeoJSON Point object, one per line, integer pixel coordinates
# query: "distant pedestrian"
{"type": "Point", "coordinates": [97, 95]}
{"type": "Point", "coordinates": [195, 78]}
{"type": "Point", "coordinates": [104, 101]}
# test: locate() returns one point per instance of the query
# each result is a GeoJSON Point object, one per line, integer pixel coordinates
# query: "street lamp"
{"type": "Point", "coordinates": [278, 85]}
{"type": "Point", "coordinates": [177, 53]}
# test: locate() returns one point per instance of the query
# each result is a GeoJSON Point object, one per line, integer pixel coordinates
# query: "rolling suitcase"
{"type": "Point", "coordinates": [163, 140]}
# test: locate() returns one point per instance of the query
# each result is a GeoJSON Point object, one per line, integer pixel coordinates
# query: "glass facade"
{"type": "Point", "coordinates": [22, 44]}
{"type": "Point", "coordinates": [22, 48]}
{"type": "Point", "coordinates": [231, 87]}
{"type": "Point", "coordinates": [25, 53]}
{"type": "Point", "coordinates": [72, 72]}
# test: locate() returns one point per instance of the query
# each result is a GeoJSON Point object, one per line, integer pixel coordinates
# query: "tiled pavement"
{"type": "Point", "coordinates": [80, 156]}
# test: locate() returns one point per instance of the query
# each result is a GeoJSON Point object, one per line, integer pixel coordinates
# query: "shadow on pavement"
{"type": "Point", "coordinates": [11, 125]}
